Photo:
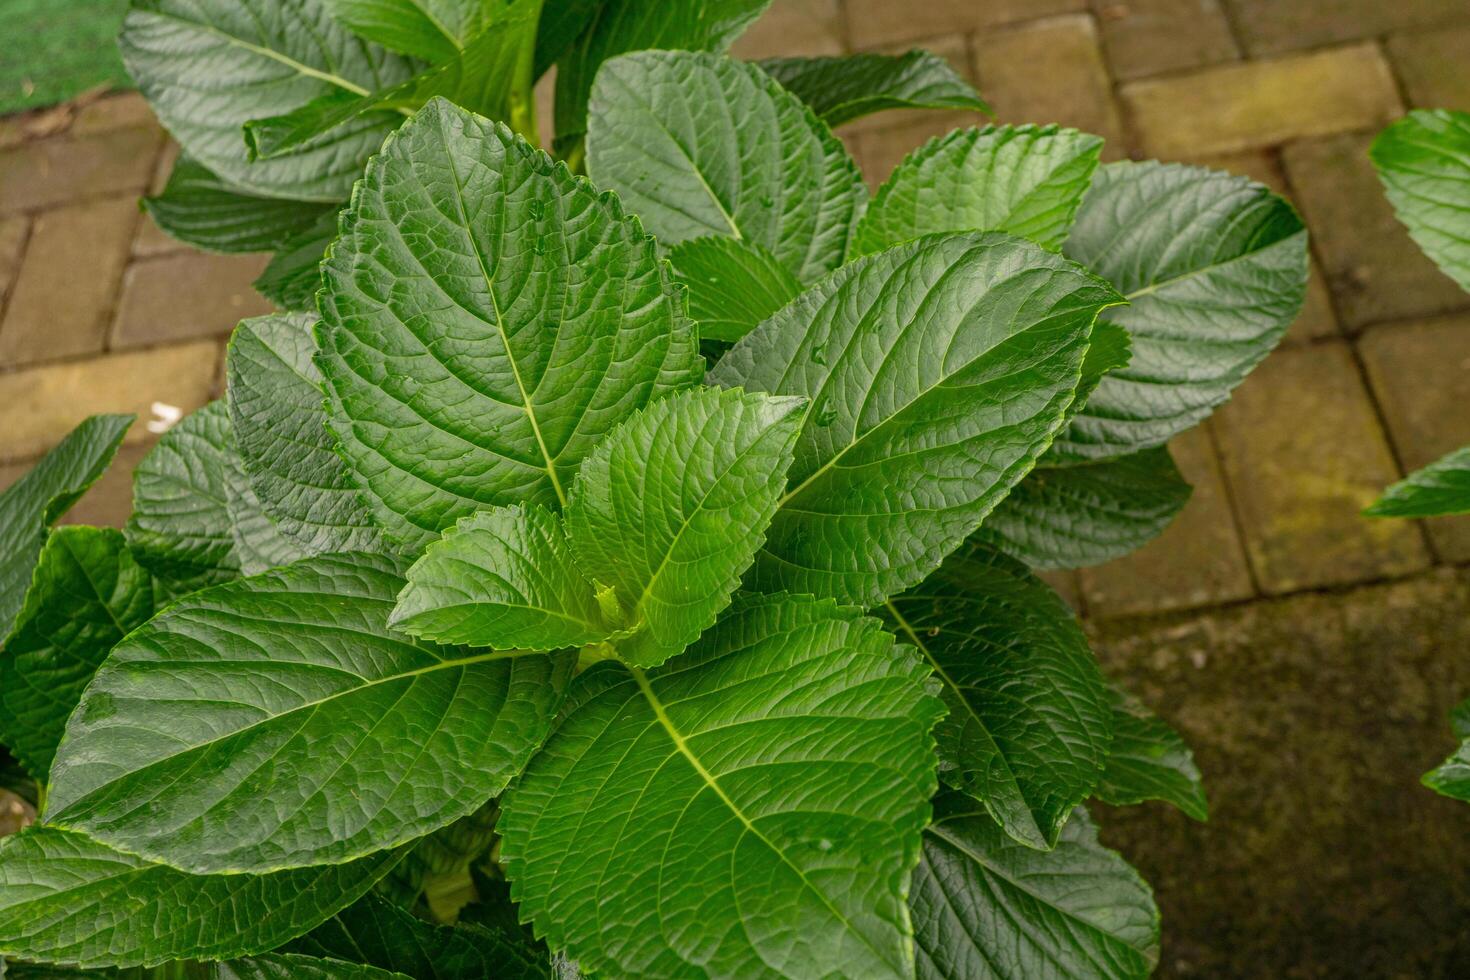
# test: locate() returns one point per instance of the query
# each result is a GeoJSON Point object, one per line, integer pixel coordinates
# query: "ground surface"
{"type": "Point", "coordinates": [1308, 654]}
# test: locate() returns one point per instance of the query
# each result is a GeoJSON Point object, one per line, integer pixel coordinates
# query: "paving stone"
{"type": "Point", "coordinates": [1420, 373]}
{"type": "Point", "coordinates": [43, 404]}
{"type": "Point", "coordinates": [151, 240]}
{"type": "Point", "coordinates": [1198, 561]}
{"type": "Point", "coordinates": [120, 111]}
{"type": "Point", "coordinates": [13, 233]}
{"type": "Point", "coordinates": [1067, 585]}
{"type": "Point", "coordinates": [793, 27]}
{"type": "Point", "coordinates": [1304, 454]}
{"type": "Point", "coordinates": [1274, 26]}
{"type": "Point", "coordinates": [186, 295]}
{"type": "Point", "coordinates": [48, 172]}
{"type": "Point", "coordinates": [1150, 37]}
{"type": "Point", "coordinates": [63, 297]}
{"type": "Point", "coordinates": [878, 151]}
{"type": "Point", "coordinates": [1432, 66]}
{"type": "Point", "coordinates": [1375, 271]}
{"type": "Point", "coordinates": [875, 23]}
{"type": "Point", "coordinates": [1261, 103]}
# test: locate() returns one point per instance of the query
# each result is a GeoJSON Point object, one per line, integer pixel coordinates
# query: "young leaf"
{"type": "Point", "coordinates": [65, 898]}
{"type": "Point", "coordinates": [86, 594]}
{"type": "Point", "coordinates": [30, 505]}
{"type": "Point", "coordinates": [284, 442]}
{"type": "Point", "coordinates": [197, 207]}
{"type": "Point", "coordinates": [937, 371]}
{"type": "Point", "coordinates": [845, 88]}
{"type": "Point", "coordinates": [292, 277]}
{"type": "Point", "coordinates": [1439, 489]}
{"type": "Point", "coordinates": [985, 906]}
{"type": "Point", "coordinates": [434, 30]}
{"type": "Point", "coordinates": [1214, 269]}
{"type": "Point", "coordinates": [1078, 516]}
{"type": "Point", "coordinates": [776, 776]}
{"type": "Point", "coordinates": [763, 169]}
{"type": "Point", "coordinates": [1149, 761]}
{"type": "Point", "coordinates": [672, 507]}
{"type": "Point", "coordinates": [502, 578]}
{"type": "Point", "coordinates": [1424, 163]}
{"type": "Point", "coordinates": [1028, 725]}
{"type": "Point", "coordinates": [207, 68]}
{"type": "Point", "coordinates": [276, 722]}
{"type": "Point", "coordinates": [1025, 180]}
{"type": "Point", "coordinates": [733, 285]}
{"type": "Point", "coordinates": [488, 318]}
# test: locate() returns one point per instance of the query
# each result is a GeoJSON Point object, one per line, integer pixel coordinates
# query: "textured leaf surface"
{"type": "Point", "coordinates": [85, 595]}
{"type": "Point", "coordinates": [672, 507]}
{"type": "Point", "coordinates": [937, 371]}
{"type": "Point", "coordinates": [42, 494]}
{"type": "Point", "coordinates": [1214, 268]}
{"type": "Point", "coordinates": [503, 578]}
{"type": "Point", "coordinates": [763, 169]}
{"type": "Point", "coordinates": [67, 899]}
{"type": "Point", "coordinates": [1424, 163]}
{"type": "Point", "coordinates": [434, 30]}
{"type": "Point", "coordinates": [776, 776]}
{"type": "Point", "coordinates": [1024, 180]}
{"type": "Point", "coordinates": [733, 285]}
{"type": "Point", "coordinates": [259, 543]}
{"type": "Point", "coordinates": [1149, 760]}
{"type": "Point", "coordinates": [207, 68]}
{"type": "Point", "coordinates": [276, 722]}
{"type": "Point", "coordinates": [197, 207]}
{"type": "Point", "coordinates": [985, 906]}
{"type": "Point", "coordinates": [842, 89]}
{"type": "Point", "coordinates": [289, 966]}
{"type": "Point", "coordinates": [488, 318]}
{"type": "Point", "coordinates": [292, 277]}
{"type": "Point", "coordinates": [1029, 722]}
{"type": "Point", "coordinates": [1439, 489]}
{"type": "Point", "coordinates": [1077, 516]}
{"type": "Point", "coordinates": [285, 444]}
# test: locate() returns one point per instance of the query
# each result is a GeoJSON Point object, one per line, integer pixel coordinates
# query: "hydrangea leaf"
{"type": "Point", "coordinates": [434, 30]}
{"type": "Point", "coordinates": [1424, 163]}
{"type": "Point", "coordinates": [1452, 776]}
{"type": "Point", "coordinates": [292, 277]}
{"type": "Point", "coordinates": [1439, 489]}
{"type": "Point", "coordinates": [292, 966]}
{"type": "Point", "coordinates": [259, 543]}
{"type": "Point", "coordinates": [733, 285]}
{"type": "Point", "coordinates": [199, 208]}
{"type": "Point", "coordinates": [841, 89]}
{"type": "Point", "coordinates": [1149, 760]}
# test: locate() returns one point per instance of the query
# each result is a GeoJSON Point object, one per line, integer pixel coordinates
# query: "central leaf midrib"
{"type": "Point", "coordinates": [276, 56]}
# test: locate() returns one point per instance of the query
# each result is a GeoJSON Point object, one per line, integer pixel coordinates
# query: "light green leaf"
{"type": "Point", "coordinates": [86, 594]}
{"type": "Point", "coordinates": [1079, 516]}
{"type": "Point", "coordinates": [1214, 269]}
{"type": "Point", "coordinates": [844, 88]}
{"type": "Point", "coordinates": [733, 285]}
{"type": "Point", "coordinates": [1424, 163]}
{"type": "Point", "coordinates": [208, 68]}
{"type": "Point", "coordinates": [30, 505]}
{"type": "Point", "coordinates": [198, 208]}
{"type": "Point", "coordinates": [65, 898]}
{"type": "Point", "coordinates": [672, 507]}
{"type": "Point", "coordinates": [987, 907]}
{"type": "Point", "coordinates": [1439, 489]}
{"type": "Point", "coordinates": [285, 445]}
{"type": "Point", "coordinates": [1029, 723]}
{"type": "Point", "coordinates": [937, 371]}
{"type": "Point", "coordinates": [1025, 180]}
{"type": "Point", "coordinates": [1452, 776]}
{"type": "Point", "coordinates": [488, 318]}
{"type": "Point", "coordinates": [1149, 761]}
{"type": "Point", "coordinates": [763, 169]}
{"type": "Point", "coordinates": [777, 776]}
{"type": "Point", "coordinates": [292, 277]}
{"type": "Point", "coordinates": [275, 722]}
{"type": "Point", "coordinates": [434, 30]}
{"type": "Point", "coordinates": [502, 578]}
{"type": "Point", "coordinates": [259, 544]}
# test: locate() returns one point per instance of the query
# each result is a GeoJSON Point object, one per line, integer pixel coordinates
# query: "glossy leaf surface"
{"type": "Point", "coordinates": [733, 285]}
{"type": "Point", "coordinates": [1439, 489]}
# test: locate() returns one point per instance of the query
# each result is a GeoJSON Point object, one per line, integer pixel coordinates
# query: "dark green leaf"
{"type": "Point", "coordinates": [259, 543]}
{"type": "Point", "coordinates": [1439, 489]}
{"type": "Point", "coordinates": [197, 207]}
{"type": "Point", "coordinates": [434, 30]}
{"type": "Point", "coordinates": [1424, 163]}
{"type": "Point", "coordinates": [293, 275]}
{"type": "Point", "coordinates": [733, 285]}
{"type": "Point", "coordinates": [14, 779]}
{"type": "Point", "coordinates": [1149, 761]}
{"type": "Point", "coordinates": [844, 88]}
{"type": "Point", "coordinates": [289, 966]}
{"type": "Point", "coordinates": [441, 861]}
{"type": "Point", "coordinates": [562, 22]}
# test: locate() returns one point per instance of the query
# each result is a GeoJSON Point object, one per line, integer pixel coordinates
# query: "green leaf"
{"type": "Point", "coordinates": [1452, 776]}
{"type": "Point", "coordinates": [937, 371]}
{"type": "Point", "coordinates": [1214, 268]}
{"type": "Point", "coordinates": [1149, 761]}
{"type": "Point", "coordinates": [275, 722]}
{"type": "Point", "coordinates": [285, 445]}
{"type": "Point", "coordinates": [441, 860]}
{"type": "Point", "coordinates": [1439, 489]}
{"type": "Point", "coordinates": [292, 277]}
{"type": "Point", "coordinates": [845, 88]}
{"type": "Point", "coordinates": [672, 507]}
{"type": "Point", "coordinates": [562, 22]}
{"type": "Point", "coordinates": [65, 898]}
{"type": "Point", "coordinates": [198, 208]}
{"type": "Point", "coordinates": [86, 594]}
{"type": "Point", "coordinates": [488, 318]}
{"type": "Point", "coordinates": [733, 285]}
{"type": "Point", "coordinates": [259, 544]}
{"type": "Point", "coordinates": [208, 68]}
{"type": "Point", "coordinates": [776, 776]}
{"type": "Point", "coordinates": [180, 530]}
{"type": "Point", "coordinates": [985, 906]}
{"type": "Point", "coordinates": [30, 505]}
{"type": "Point", "coordinates": [1029, 723]}
{"type": "Point", "coordinates": [502, 578]}
{"type": "Point", "coordinates": [288, 966]}
{"type": "Point", "coordinates": [434, 30]}
{"type": "Point", "coordinates": [1424, 163]}
{"type": "Point", "coordinates": [763, 169]}
{"type": "Point", "coordinates": [1025, 180]}
{"type": "Point", "coordinates": [1078, 516]}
